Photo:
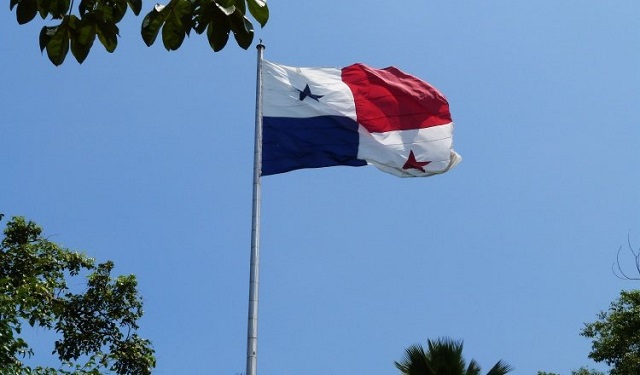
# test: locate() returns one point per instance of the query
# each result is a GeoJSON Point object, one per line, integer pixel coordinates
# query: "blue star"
{"type": "Point", "coordinates": [307, 92]}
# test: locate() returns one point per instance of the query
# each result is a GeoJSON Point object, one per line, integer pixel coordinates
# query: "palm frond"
{"type": "Point", "coordinates": [445, 356]}
{"type": "Point", "coordinates": [500, 368]}
{"type": "Point", "coordinates": [415, 362]}
{"type": "Point", "coordinates": [473, 369]}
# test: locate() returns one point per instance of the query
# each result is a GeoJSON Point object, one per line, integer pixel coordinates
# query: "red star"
{"type": "Point", "coordinates": [412, 163]}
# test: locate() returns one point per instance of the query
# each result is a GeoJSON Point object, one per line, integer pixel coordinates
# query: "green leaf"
{"type": "Point", "coordinates": [26, 11]}
{"type": "Point", "coordinates": [218, 31]}
{"type": "Point", "coordinates": [85, 6]}
{"type": "Point", "coordinates": [226, 6]}
{"type": "Point", "coordinates": [58, 45]}
{"type": "Point", "coordinates": [107, 11]}
{"type": "Point", "coordinates": [58, 8]}
{"type": "Point", "coordinates": [13, 3]}
{"type": "Point", "coordinates": [82, 37]}
{"type": "Point", "coordinates": [118, 9]}
{"type": "Point", "coordinates": [108, 35]}
{"type": "Point", "coordinates": [175, 20]}
{"type": "Point", "coordinates": [152, 22]}
{"type": "Point", "coordinates": [203, 14]}
{"type": "Point", "coordinates": [173, 33]}
{"type": "Point", "coordinates": [45, 35]}
{"type": "Point", "coordinates": [43, 8]}
{"type": "Point", "coordinates": [242, 30]}
{"type": "Point", "coordinates": [183, 11]}
{"type": "Point", "coordinates": [135, 5]}
{"type": "Point", "coordinates": [241, 5]}
{"type": "Point", "coordinates": [259, 11]}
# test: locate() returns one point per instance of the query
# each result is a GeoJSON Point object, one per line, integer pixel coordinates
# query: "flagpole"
{"type": "Point", "coordinates": [252, 328]}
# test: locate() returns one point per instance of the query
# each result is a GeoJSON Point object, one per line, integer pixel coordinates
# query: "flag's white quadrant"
{"type": "Point", "coordinates": [410, 153]}
{"type": "Point", "coordinates": [286, 89]}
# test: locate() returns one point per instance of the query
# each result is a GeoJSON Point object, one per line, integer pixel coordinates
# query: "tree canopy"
{"type": "Point", "coordinates": [77, 29]}
{"type": "Point", "coordinates": [580, 371]}
{"type": "Point", "coordinates": [443, 357]}
{"type": "Point", "coordinates": [616, 335]}
{"type": "Point", "coordinates": [96, 327]}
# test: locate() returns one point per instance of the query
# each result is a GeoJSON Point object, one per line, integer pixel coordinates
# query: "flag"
{"type": "Point", "coordinates": [354, 116]}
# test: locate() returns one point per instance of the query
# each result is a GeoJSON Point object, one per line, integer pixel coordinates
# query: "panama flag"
{"type": "Point", "coordinates": [354, 116]}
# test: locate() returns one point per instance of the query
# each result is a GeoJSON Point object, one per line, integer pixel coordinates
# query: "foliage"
{"type": "Point", "coordinates": [97, 327]}
{"type": "Point", "coordinates": [586, 371]}
{"type": "Point", "coordinates": [99, 18]}
{"type": "Point", "coordinates": [443, 357]}
{"type": "Point", "coordinates": [580, 371]}
{"type": "Point", "coordinates": [616, 335]}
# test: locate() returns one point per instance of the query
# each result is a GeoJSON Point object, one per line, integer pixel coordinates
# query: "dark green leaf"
{"type": "Point", "coordinates": [218, 31]}
{"type": "Point", "coordinates": [152, 22]}
{"type": "Point", "coordinates": [58, 45]}
{"type": "Point", "coordinates": [58, 8]}
{"type": "Point", "coordinates": [242, 6]}
{"type": "Point", "coordinates": [242, 30]}
{"type": "Point", "coordinates": [13, 3]}
{"type": "Point", "coordinates": [45, 35]}
{"type": "Point", "coordinates": [175, 20]}
{"type": "Point", "coordinates": [226, 6]}
{"type": "Point", "coordinates": [108, 35]}
{"type": "Point", "coordinates": [86, 6]}
{"type": "Point", "coordinates": [203, 15]}
{"type": "Point", "coordinates": [107, 11]}
{"type": "Point", "coordinates": [118, 9]}
{"type": "Point", "coordinates": [82, 38]}
{"type": "Point", "coordinates": [43, 8]}
{"type": "Point", "coordinates": [135, 5]}
{"type": "Point", "coordinates": [184, 10]}
{"type": "Point", "coordinates": [259, 10]}
{"type": "Point", "coordinates": [26, 11]}
{"type": "Point", "coordinates": [173, 33]}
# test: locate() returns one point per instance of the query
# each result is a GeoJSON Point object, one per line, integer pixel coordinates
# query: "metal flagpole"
{"type": "Point", "coordinates": [252, 329]}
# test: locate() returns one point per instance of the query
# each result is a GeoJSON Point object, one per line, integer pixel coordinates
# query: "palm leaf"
{"type": "Point", "coordinates": [473, 369]}
{"type": "Point", "coordinates": [415, 362]}
{"type": "Point", "coordinates": [445, 356]}
{"type": "Point", "coordinates": [500, 368]}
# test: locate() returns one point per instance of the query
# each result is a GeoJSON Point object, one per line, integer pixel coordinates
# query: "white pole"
{"type": "Point", "coordinates": [252, 329]}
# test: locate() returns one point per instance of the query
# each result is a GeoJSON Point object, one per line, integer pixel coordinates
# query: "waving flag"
{"type": "Point", "coordinates": [322, 117]}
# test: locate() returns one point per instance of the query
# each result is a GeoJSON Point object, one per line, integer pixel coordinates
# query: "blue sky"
{"type": "Point", "coordinates": [144, 157]}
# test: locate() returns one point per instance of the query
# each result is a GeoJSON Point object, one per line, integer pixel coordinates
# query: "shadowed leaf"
{"type": "Point", "coordinates": [218, 31]}
{"type": "Point", "coordinates": [177, 24]}
{"type": "Point", "coordinates": [26, 11]}
{"type": "Point", "coordinates": [58, 45]}
{"type": "Point", "coordinates": [151, 24]}
{"type": "Point", "coordinates": [82, 37]}
{"type": "Point", "coordinates": [108, 35]}
{"type": "Point", "coordinates": [242, 29]}
{"type": "Point", "coordinates": [58, 8]}
{"type": "Point", "coordinates": [45, 35]}
{"type": "Point", "coordinates": [135, 5]}
{"type": "Point", "coordinates": [259, 11]}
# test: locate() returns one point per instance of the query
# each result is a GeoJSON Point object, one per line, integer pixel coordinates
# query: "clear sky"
{"type": "Point", "coordinates": [144, 157]}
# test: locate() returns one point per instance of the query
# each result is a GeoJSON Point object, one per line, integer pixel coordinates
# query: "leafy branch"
{"type": "Point", "coordinates": [96, 328]}
{"type": "Point", "coordinates": [175, 20]}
